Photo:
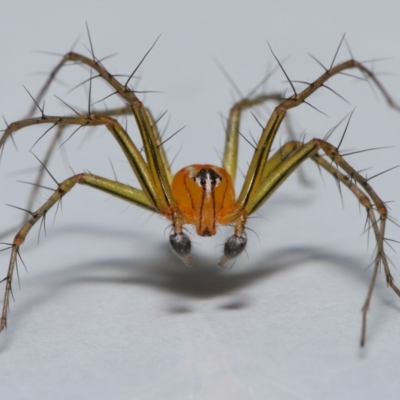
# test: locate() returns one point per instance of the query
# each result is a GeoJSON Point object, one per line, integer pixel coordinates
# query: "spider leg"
{"type": "Point", "coordinates": [38, 181]}
{"type": "Point", "coordinates": [52, 147]}
{"type": "Point", "coordinates": [379, 231]}
{"type": "Point", "coordinates": [150, 182]}
{"type": "Point", "coordinates": [156, 174]}
{"type": "Point", "coordinates": [161, 192]}
{"type": "Point", "coordinates": [57, 140]}
{"type": "Point", "coordinates": [292, 155]}
{"type": "Point", "coordinates": [164, 159]}
{"type": "Point", "coordinates": [117, 189]}
{"type": "Point", "coordinates": [257, 167]}
{"type": "Point", "coordinates": [152, 171]}
{"type": "Point", "coordinates": [132, 153]}
{"type": "Point", "coordinates": [237, 242]}
{"type": "Point", "coordinates": [230, 155]}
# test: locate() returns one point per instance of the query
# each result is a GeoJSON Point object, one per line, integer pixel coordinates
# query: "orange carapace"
{"type": "Point", "coordinates": [205, 196]}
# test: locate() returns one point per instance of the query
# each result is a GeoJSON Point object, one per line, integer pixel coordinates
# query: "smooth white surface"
{"type": "Point", "coordinates": [105, 311]}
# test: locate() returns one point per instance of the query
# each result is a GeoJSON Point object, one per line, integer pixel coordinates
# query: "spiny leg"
{"type": "Point", "coordinates": [157, 174]}
{"type": "Point", "coordinates": [132, 153]}
{"type": "Point", "coordinates": [57, 140]}
{"type": "Point", "coordinates": [236, 244]}
{"type": "Point", "coordinates": [51, 148]}
{"type": "Point", "coordinates": [153, 171]}
{"type": "Point", "coordinates": [38, 180]}
{"type": "Point", "coordinates": [262, 151]}
{"type": "Point", "coordinates": [292, 155]}
{"type": "Point", "coordinates": [378, 231]}
{"type": "Point", "coordinates": [117, 189]}
{"type": "Point", "coordinates": [230, 155]}
{"type": "Point", "coordinates": [180, 242]}
{"type": "Point", "coordinates": [231, 148]}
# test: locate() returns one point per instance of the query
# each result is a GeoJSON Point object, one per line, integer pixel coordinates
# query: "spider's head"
{"type": "Point", "coordinates": [205, 197]}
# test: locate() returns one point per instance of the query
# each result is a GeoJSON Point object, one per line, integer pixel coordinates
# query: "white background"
{"type": "Point", "coordinates": [105, 310]}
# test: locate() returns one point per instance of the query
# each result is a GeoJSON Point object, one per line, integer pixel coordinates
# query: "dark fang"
{"type": "Point", "coordinates": [181, 246]}
{"type": "Point", "coordinates": [234, 246]}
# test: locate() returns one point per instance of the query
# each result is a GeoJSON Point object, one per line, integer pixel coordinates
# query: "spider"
{"type": "Point", "coordinates": [203, 195]}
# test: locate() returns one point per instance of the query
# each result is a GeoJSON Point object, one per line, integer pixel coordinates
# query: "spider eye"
{"type": "Point", "coordinates": [181, 246]}
{"type": "Point", "coordinates": [207, 178]}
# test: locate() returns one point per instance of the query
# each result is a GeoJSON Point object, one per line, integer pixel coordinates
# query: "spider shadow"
{"type": "Point", "coordinates": [203, 281]}
{"type": "Point", "coordinates": [168, 274]}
